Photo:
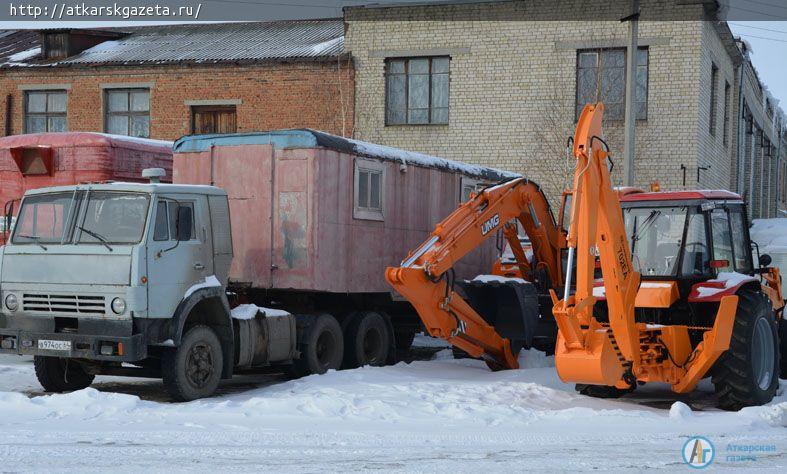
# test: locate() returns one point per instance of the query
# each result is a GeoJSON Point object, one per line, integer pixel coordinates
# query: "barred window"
{"type": "Point", "coordinates": [726, 124]}
{"type": "Point", "coordinates": [416, 90]}
{"type": "Point", "coordinates": [601, 77]}
{"type": "Point", "coordinates": [714, 79]}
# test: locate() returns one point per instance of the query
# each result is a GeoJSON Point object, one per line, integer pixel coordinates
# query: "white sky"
{"type": "Point", "coordinates": [768, 40]}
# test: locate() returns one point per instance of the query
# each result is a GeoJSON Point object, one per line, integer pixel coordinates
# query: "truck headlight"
{"type": "Point", "coordinates": [11, 302]}
{"type": "Point", "coordinates": [119, 305]}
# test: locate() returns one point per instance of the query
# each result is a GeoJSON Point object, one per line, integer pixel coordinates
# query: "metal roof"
{"type": "Point", "coordinates": [192, 43]}
{"type": "Point", "coordinates": [307, 138]}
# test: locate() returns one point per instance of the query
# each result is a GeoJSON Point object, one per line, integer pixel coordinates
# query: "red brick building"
{"type": "Point", "coordinates": [167, 81]}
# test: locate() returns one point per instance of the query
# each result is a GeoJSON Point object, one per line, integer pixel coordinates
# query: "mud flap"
{"type": "Point", "coordinates": [511, 307]}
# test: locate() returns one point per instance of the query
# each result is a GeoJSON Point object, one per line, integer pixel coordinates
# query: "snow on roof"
{"type": "Point", "coordinates": [23, 55]}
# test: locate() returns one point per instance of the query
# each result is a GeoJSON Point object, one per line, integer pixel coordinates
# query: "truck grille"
{"type": "Point", "coordinates": [75, 304]}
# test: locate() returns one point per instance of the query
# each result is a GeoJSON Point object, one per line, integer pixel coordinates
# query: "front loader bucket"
{"type": "Point", "coordinates": [511, 307]}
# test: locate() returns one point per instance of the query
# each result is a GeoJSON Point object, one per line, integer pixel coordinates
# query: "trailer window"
{"type": "Point", "coordinates": [369, 190]}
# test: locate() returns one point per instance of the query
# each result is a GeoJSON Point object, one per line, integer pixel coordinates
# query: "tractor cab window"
{"type": "Point", "coordinates": [743, 260]}
{"type": "Point", "coordinates": [722, 240]}
{"type": "Point", "coordinates": [696, 257]}
{"type": "Point", "coordinates": [655, 237]}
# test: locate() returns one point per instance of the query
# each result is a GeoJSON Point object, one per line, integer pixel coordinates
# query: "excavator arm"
{"type": "Point", "coordinates": [426, 279]}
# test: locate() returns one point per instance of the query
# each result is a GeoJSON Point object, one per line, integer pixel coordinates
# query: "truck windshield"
{"type": "Point", "coordinates": [656, 238]}
{"type": "Point", "coordinates": [108, 218]}
{"type": "Point", "coordinates": [114, 218]}
{"type": "Point", "coordinates": [41, 218]}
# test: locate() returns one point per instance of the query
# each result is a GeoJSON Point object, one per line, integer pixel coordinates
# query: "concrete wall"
{"type": "Point", "coordinates": [309, 94]}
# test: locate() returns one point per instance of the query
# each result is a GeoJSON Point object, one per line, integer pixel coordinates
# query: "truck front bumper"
{"type": "Point", "coordinates": [79, 346]}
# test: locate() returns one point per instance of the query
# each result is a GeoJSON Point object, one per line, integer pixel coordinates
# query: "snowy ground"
{"type": "Point", "coordinates": [439, 415]}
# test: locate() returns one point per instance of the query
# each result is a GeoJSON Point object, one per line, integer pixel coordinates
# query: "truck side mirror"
{"type": "Point", "coordinates": [184, 223]}
{"type": "Point", "coordinates": [765, 260]}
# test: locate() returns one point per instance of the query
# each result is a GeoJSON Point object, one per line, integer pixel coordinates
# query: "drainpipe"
{"type": "Point", "coordinates": [741, 132]}
{"type": "Point", "coordinates": [9, 102]}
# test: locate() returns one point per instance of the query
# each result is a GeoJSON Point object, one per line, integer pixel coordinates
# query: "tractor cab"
{"type": "Point", "coordinates": [687, 236]}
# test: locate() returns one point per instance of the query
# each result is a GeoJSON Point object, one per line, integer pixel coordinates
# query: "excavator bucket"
{"type": "Point", "coordinates": [510, 306]}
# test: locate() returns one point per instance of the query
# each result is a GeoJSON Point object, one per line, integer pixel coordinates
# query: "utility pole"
{"type": "Point", "coordinates": [631, 101]}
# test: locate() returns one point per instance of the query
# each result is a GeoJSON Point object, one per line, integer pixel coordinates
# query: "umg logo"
{"type": "Point", "coordinates": [490, 224]}
{"type": "Point", "coordinates": [698, 452]}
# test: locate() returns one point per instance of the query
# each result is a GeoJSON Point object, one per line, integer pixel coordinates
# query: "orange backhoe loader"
{"type": "Point", "coordinates": [679, 298]}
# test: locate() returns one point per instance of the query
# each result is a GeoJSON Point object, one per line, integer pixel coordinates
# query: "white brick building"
{"type": "Point", "coordinates": [506, 93]}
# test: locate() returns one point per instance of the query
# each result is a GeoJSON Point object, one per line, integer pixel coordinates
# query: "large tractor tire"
{"type": "Point", "coordinates": [61, 375]}
{"type": "Point", "coordinates": [747, 374]}
{"type": "Point", "coordinates": [783, 346]}
{"type": "Point", "coordinates": [193, 370]}
{"type": "Point", "coordinates": [367, 340]}
{"type": "Point", "coordinates": [321, 345]}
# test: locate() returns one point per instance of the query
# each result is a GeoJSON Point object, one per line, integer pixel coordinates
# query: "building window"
{"type": "Point", "coordinates": [416, 90]}
{"type": "Point", "coordinates": [213, 119]}
{"type": "Point", "coordinates": [714, 78]}
{"type": "Point", "coordinates": [726, 124]}
{"type": "Point", "coordinates": [369, 190]}
{"type": "Point", "coordinates": [127, 112]}
{"type": "Point", "coordinates": [601, 77]}
{"type": "Point", "coordinates": [45, 111]}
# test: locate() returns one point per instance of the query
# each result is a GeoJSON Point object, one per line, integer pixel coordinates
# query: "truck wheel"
{"type": "Point", "coordinates": [193, 370]}
{"type": "Point", "coordinates": [368, 340]}
{"type": "Point", "coordinates": [747, 373]}
{"type": "Point", "coordinates": [321, 346]}
{"type": "Point", "coordinates": [61, 375]}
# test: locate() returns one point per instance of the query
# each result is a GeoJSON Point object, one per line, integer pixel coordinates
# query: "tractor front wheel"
{"type": "Point", "coordinates": [747, 374]}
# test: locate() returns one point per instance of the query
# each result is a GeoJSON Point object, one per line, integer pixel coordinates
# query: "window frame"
{"type": "Point", "coordinates": [714, 92]}
{"type": "Point", "coordinates": [726, 120]}
{"type": "Point", "coordinates": [598, 51]}
{"type": "Point", "coordinates": [194, 109]}
{"type": "Point", "coordinates": [169, 204]}
{"type": "Point", "coordinates": [46, 114]}
{"type": "Point", "coordinates": [130, 114]}
{"type": "Point", "coordinates": [406, 74]}
{"type": "Point", "coordinates": [365, 212]}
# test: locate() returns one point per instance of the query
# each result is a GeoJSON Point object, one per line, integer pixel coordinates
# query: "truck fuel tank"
{"type": "Point", "coordinates": [264, 336]}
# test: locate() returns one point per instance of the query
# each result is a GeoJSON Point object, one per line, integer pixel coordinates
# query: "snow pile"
{"type": "Point", "coordinates": [404, 156]}
{"type": "Point", "coordinates": [497, 279]}
{"type": "Point", "coordinates": [730, 280]}
{"type": "Point", "coordinates": [680, 411]}
{"type": "Point", "coordinates": [533, 359]}
{"type": "Point", "coordinates": [21, 56]}
{"type": "Point", "coordinates": [770, 235]}
{"type": "Point", "coordinates": [249, 311]}
{"type": "Point", "coordinates": [210, 281]}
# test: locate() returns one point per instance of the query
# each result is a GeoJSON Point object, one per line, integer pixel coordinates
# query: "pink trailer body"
{"type": "Point", "coordinates": [39, 160]}
{"type": "Point", "coordinates": [294, 204]}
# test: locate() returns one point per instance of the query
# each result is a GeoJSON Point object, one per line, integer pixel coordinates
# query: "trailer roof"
{"type": "Point", "coordinates": [308, 138]}
{"type": "Point", "coordinates": [71, 139]}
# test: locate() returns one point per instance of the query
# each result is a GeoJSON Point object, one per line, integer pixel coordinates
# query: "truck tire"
{"type": "Point", "coordinates": [321, 346]}
{"type": "Point", "coordinates": [61, 375]}
{"type": "Point", "coordinates": [367, 340]}
{"type": "Point", "coordinates": [193, 369]}
{"type": "Point", "coordinates": [747, 373]}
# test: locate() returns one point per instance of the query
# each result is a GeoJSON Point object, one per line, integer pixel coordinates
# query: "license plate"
{"type": "Point", "coordinates": [54, 345]}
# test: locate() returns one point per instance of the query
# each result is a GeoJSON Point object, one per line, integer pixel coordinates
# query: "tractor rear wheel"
{"type": "Point", "coordinates": [747, 374]}
{"type": "Point", "coordinates": [783, 346]}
